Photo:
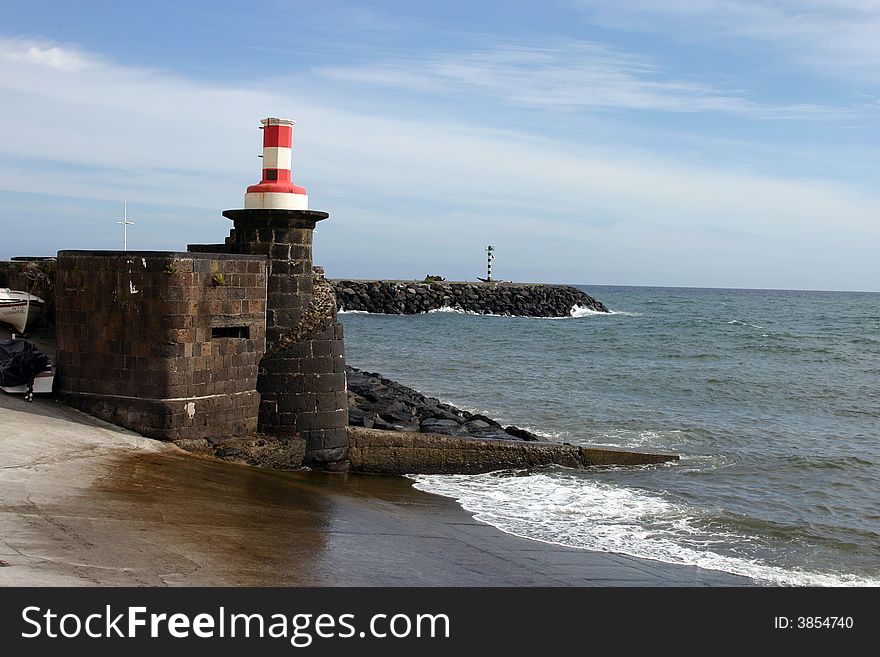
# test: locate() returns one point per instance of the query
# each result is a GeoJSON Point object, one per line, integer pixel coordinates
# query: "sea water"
{"type": "Point", "coordinates": [772, 399]}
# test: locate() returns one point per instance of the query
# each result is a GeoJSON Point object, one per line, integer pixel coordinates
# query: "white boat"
{"type": "Point", "coordinates": [18, 309]}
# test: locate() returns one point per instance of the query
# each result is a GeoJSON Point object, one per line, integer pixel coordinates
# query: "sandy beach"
{"type": "Point", "coordinates": [86, 503]}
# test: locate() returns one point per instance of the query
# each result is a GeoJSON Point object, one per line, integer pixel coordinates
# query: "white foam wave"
{"type": "Point", "coordinates": [741, 323]}
{"type": "Point", "coordinates": [583, 311]}
{"type": "Point", "coordinates": [576, 512]}
{"type": "Point", "coordinates": [458, 310]}
{"type": "Point", "coordinates": [634, 438]}
{"type": "Point", "coordinates": [461, 311]}
{"type": "Point", "coordinates": [576, 311]}
{"type": "Point", "coordinates": [547, 433]}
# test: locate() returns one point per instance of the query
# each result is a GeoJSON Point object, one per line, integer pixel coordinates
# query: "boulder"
{"type": "Point", "coordinates": [447, 427]}
{"type": "Point", "coordinates": [522, 434]}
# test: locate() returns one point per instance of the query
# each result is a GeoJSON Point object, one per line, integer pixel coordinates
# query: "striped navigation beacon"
{"type": "Point", "coordinates": [276, 190]}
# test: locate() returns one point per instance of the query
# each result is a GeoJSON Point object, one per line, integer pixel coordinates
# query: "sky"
{"type": "Point", "coordinates": [705, 143]}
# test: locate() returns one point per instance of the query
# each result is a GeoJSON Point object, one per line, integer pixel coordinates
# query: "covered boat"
{"type": "Point", "coordinates": [24, 369]}
{"type": "Point", "coordinates": [18, 308]}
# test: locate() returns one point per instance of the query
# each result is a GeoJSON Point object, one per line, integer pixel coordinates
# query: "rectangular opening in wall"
{"type": "Point", "coordinates": [231, 332]}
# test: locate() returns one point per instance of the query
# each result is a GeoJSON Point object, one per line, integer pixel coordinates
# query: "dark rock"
{"type": "Point", "coordinates": [359, 418]}
{"type": "Point", "coordinates": [487, 420]}
{"type": "Point", "coordinates": [443, 414]}
{"type": "Point", "coordinates": [449, 427]}
{"type": "Point", "coordinates": [522, 434]}
{"type": "Point", "coordinates": [380, 403]}
{"type": "Point", "coordinates": [406, 427]}
{"type": "Point", "coordinates": [397, 416]}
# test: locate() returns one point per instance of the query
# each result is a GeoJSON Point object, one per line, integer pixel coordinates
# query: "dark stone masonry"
{"type": "Point", "coordinates": [302, 374]}
{"type": "Point", "coordinates": [166, 344]}
{"type": "Point", "coordinates": [412, 297]}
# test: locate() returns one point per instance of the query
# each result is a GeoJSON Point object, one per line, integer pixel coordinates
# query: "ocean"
{"type": "Point", "coordinates": [772, 399]}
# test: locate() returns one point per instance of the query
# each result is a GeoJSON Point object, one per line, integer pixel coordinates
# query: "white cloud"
{"type": "Point", "coordinates": [835, 37]}
{"type": "Point", "coordinates": [570, 75]}
{"type": "Point", "coordinates": [59, 58]}
{"type": "Point", "coordinates": [112, 132]}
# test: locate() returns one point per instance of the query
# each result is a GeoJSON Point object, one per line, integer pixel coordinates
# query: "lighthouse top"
{"type": "Point", "coordinates": [276, 121]}
{"type": "Point", "coordinates": [276, 190]}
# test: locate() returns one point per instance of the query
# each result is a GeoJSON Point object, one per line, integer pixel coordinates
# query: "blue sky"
{"type": "Point", "coordinates": [718, 143]}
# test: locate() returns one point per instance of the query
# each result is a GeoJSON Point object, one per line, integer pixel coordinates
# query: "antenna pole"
{"type": "Point", "coordinates": [125, 224]}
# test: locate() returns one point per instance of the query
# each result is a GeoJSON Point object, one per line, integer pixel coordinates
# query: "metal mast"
{"type": "Point", "coordinates": [125, 224]}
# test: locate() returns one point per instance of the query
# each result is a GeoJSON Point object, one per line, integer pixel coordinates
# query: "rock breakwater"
{"type": "Point", "coordinates": [413, 297]}
{"type": "Point", "coordinates": [375, 402]}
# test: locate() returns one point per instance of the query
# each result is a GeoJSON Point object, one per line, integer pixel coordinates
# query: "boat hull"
{"type": "Point", "coordinates": [19, 309]}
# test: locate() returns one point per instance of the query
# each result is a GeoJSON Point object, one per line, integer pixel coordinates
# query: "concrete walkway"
{"type": "Point", "coordinates": [85, 503]}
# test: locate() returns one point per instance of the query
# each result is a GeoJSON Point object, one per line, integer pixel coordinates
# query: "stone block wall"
{"type": "Point", "coordinates": [166, 344]}
{"type": "Point", "coordinates": [302, 375]}
{"type": "Point", "coordinates": [284, 237]}
{"type": "Point", "coordinates": [303, 384]}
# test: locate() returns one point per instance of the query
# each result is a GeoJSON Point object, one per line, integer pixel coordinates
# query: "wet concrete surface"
{"type": "Point", "coordinates": [83, 502]}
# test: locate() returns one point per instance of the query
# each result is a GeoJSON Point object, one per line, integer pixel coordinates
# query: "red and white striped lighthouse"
{"type": "Point", "coordinates": [276, 190]}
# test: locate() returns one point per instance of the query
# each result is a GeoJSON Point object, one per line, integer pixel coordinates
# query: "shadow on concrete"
{"type": "Point", "coordinates": [50, 406]}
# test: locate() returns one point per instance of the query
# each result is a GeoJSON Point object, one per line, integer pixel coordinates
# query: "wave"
{"type": "Point", "coordinates": [583, 311]}
{"type": "Point", "coordinates": [576, 512]}
{"type": "Point", "coordinates": [457, 310]}
{"type": "Point", "coordinates": [553, 436]}
{"type": "Point", "coordinates": [576, 312]}
{"type": "Point", "coordinates": [637, 438]}
{"type": "Point", "coordinates": [845, 463]}
{"type": "Point", "coordinates": [738, 322]}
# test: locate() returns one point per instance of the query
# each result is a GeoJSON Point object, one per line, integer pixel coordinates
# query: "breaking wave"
{"type": "Point", "coordinates": [574, 511]}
